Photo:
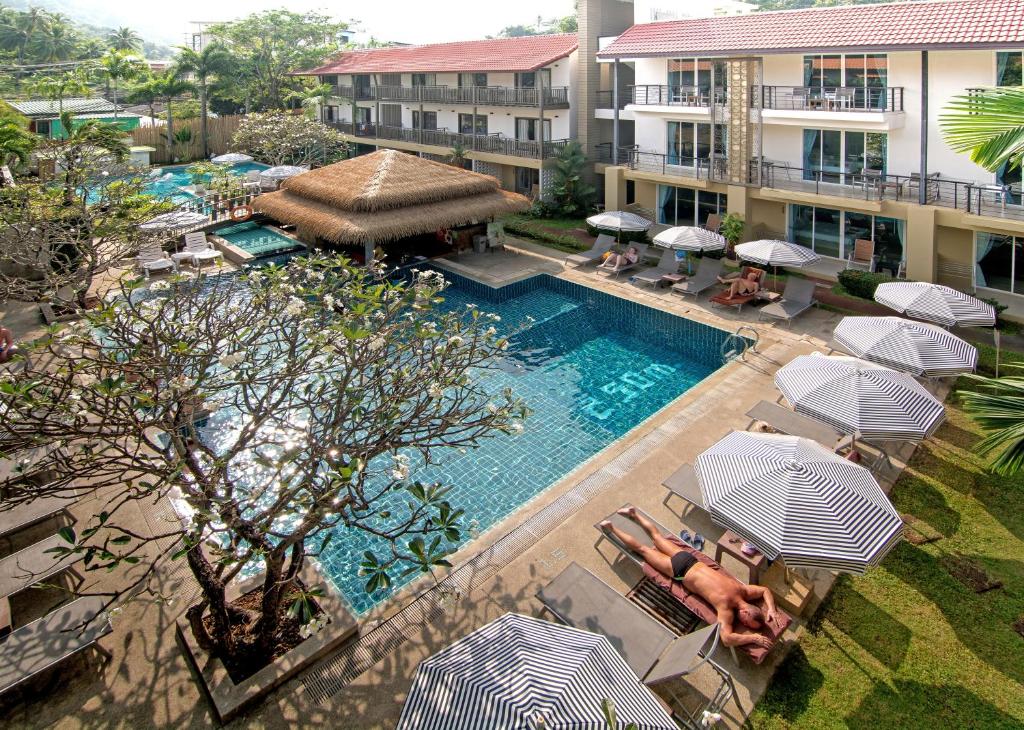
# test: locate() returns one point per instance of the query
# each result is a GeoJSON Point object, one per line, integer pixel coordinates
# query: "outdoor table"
{"type": "Point", "coordinates": [730, 543]}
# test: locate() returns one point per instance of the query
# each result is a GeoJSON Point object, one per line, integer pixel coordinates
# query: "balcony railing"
{"type": "Point", "coordinates": [554, 97]}
{"type": "Point", "coordinates": [494, 143]}
{"type": "Point", "coordinates": [698, 168]}
{"type": "Point", "coordinates": [832, 98]}
{"type": "Point", "coordinates": [696, 96]}
{"type": "Point", "coordinates": [605, 99]}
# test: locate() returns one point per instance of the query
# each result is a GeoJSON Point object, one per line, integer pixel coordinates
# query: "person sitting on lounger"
{"type": "Point", "coordinates": [730, 598]}
{"type": "Point", "coordinates": [617, 261]}
{"type": "Point", "coordinates": [7, 348]}
{"type": "Point", "coordinates": [744, 285]}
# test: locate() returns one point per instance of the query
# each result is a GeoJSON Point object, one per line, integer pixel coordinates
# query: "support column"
{"type": "Point", "coordinates": [472, 139]}
{"type": "Point", "coordinates": [540, 105]}
{"type": "Point", "coordinates": [921, 247]}
{"type": "Point", "coordinates": [368, 252]}
{"type": "Point", "coordinates": [922, 185]}
{"type": "Point", "coordinates": [615, 114]}
{"type": "Point", "coordinates": [614, 188]}
{"type": "Point", "coordinates": [422, 123]}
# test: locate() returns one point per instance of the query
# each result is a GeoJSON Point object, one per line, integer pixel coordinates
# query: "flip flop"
{"type": "Point", "coordinates": [698, 541]}
{"type": "Point", "coordinates": [685, 537]}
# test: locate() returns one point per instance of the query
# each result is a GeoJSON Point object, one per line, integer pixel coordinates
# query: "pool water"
{"type": "Point", "coordinates": [258, 240]}
{"type": "Point", "coordinates": [168, 182]}
{"type": "Point", "coordinates": [591, 366]}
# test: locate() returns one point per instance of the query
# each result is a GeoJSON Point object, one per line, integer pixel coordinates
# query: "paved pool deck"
{"type": "Point", "coordinates": [148, 683]}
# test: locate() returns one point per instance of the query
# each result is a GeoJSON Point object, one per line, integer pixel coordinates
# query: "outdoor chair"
{"type": "Point", "coordinates": [495, 236]}
{"type": "Point", "coordinates": [153, 258]}
{"type": "Point", "coordinates": [800, 96]}
{"type": "Point", "coordinates": [668, 264]}
{"type": "Point", "coordinates": [683, 484]}
{"type": "Point", "coordinates": [27, 567]}
{"type": "Point", "coordinates": [199, 249]}
{"type": "Point", "coordinates": [722, 298]}
{"type": "Point", "coordinates": [713, 222]}
{"type": "Point", "coordinates": [48, 641]}
{"type": "Point", "coordinates": [696, 604]}
{"type": "Point", "coordinates": [611, 270]}
{"type": "Point", "coordinates": [578, 598]}
{"type": "Point", "coordinates": [791, 423]}
{"type": "Point", "coordinates": [933, 188]}
{"type": "Point", "coordinates": [602, 245]}
{"type": "Point", "coordinates": [706, 277]}
{"type": "Point", "coordinates": [863, 255]}
{"type": "Point", "coordinates": [797, 298]}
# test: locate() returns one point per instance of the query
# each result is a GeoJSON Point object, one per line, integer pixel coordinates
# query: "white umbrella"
{"type": "Point", "coordinates": [619, 221]}
{"type": "Point", "coordinates": [690, 238]}
{"type": "Point", "coordinates": [174, 220]}
{"type": "Point", "coordinates": [793, 498]}
{"type": "Point", "coordinates": [283, 171]}
{"type": "Point", "coordinates": [935, 303]}
{"type": "Point", "coordinates": [860, 398]}
{"type": "Point", "coordinates": [231, 158]}
{"type": "Point", "coordinates": [776, 253]}
{"type": "Point", "coordinates": [914, 347]}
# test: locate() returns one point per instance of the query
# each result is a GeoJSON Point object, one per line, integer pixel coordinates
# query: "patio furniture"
{"type": "Point", "coordinates": [495, 236]}
{"type": "Point", "coordinates": [713, 222]}
{"type": "Point", "coordinates": [935, 303]}
{"type": "Point", "coordinates": [602, 245]}
{"type": "Point", "coordinates": [27, 567]}
{"type": "Point", "coordinates": [801, 95]}
{"type": "Point", "coordinates": [863, 255]}
{"type": "Point", "coordinates": [722, 298]}
{"type": "Point", "coordinates": [732, 544]}
{"type": "Point", "coordinates": [153, 258]}
{"type": "Point", "coordinates": [914, 347]}
{"type": "Point", "coordinates": [797, 298]}
{"type": "Point", "coordinates": [614, 270]}
{"type": "Point", "coordinates": [706, 277]}
{"type": "Point", "coordinates": [667, 265]}
{"type": "Point", "coordinates": [683, 484]}
{"type": "Point", "coordinates": [932, 188]}
{"type": "Point", "coordinates": [48, 641]}
{"type": "Point", "coordinates": [580, 599]}
{"type": "Point", "coordinates": [696, 604]}
{"type": "Point", "coordinates": [783, 420]}
{"type": "Point", "coordinates": [37, 510]}
{"type": "Point", "coordinates": [198, 249]}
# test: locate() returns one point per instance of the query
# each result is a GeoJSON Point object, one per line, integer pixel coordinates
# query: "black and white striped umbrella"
{"type": "Point", "coordinates": [518, 670]}
{"type": "Point", "coordinates": [690, 238]}
{"type": "Point", "coordinates": [776, 253]}
{"type": "Point", "coordinates": [860, 398]}
{"type": "Point", "coordinates": [935, 303]}
{"type": "Point", "coordinates": [793, 498]}
{"type": "Point", "coordinates": [913, 347]}
{"type": "Point", "coordinates": [619, 220]}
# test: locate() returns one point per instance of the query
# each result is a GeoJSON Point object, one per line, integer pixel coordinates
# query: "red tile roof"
{"type": "Point", "coordinates": [893, 26]}
{"type": "Point", "coordinates": [498, 54]}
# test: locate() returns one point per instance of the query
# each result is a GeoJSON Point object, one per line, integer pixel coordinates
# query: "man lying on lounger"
{"type": "Point", "coordinates": [730, 598]}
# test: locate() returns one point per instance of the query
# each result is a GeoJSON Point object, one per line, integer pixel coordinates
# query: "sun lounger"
{"type": "Point", "coordinates": [692, 601]}
{"type": "Point", "coordinates": [667, 265]}
{"type": "Point", "coordinates": [152, 258]}
{"type": "Point", "coordinates": [580, 599]}
{"type": "Point", "coordinates": [27, 567]}
{"type": "Point", "coordinates": [792, 423]}
{"type": "Point", "coordinates": [706, 277]}
{"type": "Point", "coordinates": [199, 249]}
{"type": "Point", "coordinates": [797, 298]}
{"type": "Point", "coordinates": [722, 298]}
{"type": "Point", "coordinates": [44, 643]}
{"type": "Point", "coordinates": [683, 484]}
{"type": "Point", "coordinates": [28, 464]}
{"type": "Point", "coordinates": [602, 245]}
{"type": "Point", "coordinates": [29, 513]}
{"type": "Point", "coordinates": [607, 268]}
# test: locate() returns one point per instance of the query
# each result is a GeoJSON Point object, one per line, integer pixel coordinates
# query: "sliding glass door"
{"type": "Point", "coordinates": [688, 207]}
{"type": "Point", "coordinates": [689, 141]}
{"type": "Point", "coordinates": [843, 157]}
{"type": "Point", "coordinates": [832, 232]}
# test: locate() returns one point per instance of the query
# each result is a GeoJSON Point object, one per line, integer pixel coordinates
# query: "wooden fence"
{"type": "Point", "coordinates": [219, 129]}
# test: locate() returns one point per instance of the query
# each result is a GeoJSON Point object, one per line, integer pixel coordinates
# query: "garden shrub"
{"type": "Point", "coordinates": [862, 283]}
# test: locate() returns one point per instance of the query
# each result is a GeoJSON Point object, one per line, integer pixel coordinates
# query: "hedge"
{"type": "Point", "coordinates": [862, 283]}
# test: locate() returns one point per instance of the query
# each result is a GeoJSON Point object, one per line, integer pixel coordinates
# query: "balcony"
{"type": "Point", "coordinates": [605, 99]}
{"type": "Point", "coordinates": [681, 96]}
{"type": "Point", "coordinates": [695, 168]}
{"type": "Point", "coordinates": [556, 97]}
{"type": "Point", "coordinates": [832, 99]}
{"type": "Point", "coordinates": [492, 143]}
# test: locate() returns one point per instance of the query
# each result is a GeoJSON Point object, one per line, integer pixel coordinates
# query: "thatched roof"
{"type": "Point", "coordinates": [384, 196]}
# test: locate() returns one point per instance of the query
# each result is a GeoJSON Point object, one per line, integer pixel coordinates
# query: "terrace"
{"type": "Point", "coordinates": [552, 98]}
{"type": "Point", "coordinates": [492, 143]}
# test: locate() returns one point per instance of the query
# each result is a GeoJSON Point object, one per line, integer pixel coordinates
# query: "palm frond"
{"type": "Point", "coordinates": [999, 410]}
{"type": "Point", "coordinates": [989, 124]}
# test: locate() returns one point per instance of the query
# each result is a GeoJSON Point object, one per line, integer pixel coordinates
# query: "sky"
{"type": "Point", "coordinates": [407, 21]}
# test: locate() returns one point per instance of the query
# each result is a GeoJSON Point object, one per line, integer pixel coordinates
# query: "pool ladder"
{"type": "Point", "coordinates": [736, 345]}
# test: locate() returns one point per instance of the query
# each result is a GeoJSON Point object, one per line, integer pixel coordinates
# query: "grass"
{"type": "Point", "coordinates": [546, 231]}
{"type": "Point", "coordinates": [908, 645]}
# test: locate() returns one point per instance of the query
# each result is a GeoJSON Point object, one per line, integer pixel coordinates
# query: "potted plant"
{"type": "Point", "coordinates": [732, 230]}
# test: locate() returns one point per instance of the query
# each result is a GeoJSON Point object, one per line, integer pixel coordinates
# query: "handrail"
{"type": "Point", "coordinates": [666, 95]}
{"type": "Point", "coordinates": [554, 96]}
{"type": "Point", "coordinates": [832, 98]}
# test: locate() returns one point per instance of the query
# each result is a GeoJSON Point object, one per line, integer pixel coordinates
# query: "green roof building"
{"type": "Point", "coordinates": [44, 114]}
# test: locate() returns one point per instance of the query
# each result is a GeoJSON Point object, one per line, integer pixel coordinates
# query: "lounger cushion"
{"type": "Point", "coordinates": [736, 301]}
{"type": "Point", "coordinates": [704, 610]}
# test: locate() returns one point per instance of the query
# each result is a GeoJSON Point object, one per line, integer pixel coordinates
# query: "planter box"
{"type": "Point", "coordinates": [51, 317]}
{"type": "Point", "coordinates": [230, 699]}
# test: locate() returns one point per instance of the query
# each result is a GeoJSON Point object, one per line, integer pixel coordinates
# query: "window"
{"type": "Point", "coordinates": [689, 141]}
{"type": "Point", "coordinates": [688, 207]}
{"type": "Point", "coordinates": [466, 124]}
{"type": "Point", "coordinates": [391, 79]}
{"type": "Point", "coordinates": [526, 129]}
{"type": "Point", "coordinates": [831, 232]}
{"type": "Point", "coordinates": [691, 72]}
{"type": "Point", "coordinates": [841, 157]}
{"type": "Point", "coordinates": [999, 262]}
{"type": "Point", "coordinates": [331, 79]}
{"type": "Point", "coordinates": [867, 74]}
{"type": "Point", "coordinates": [1009, 68]}
{"type": "Point", "coordinates": [472, 79]}
{"type": "Point", "coordinates": [527, 181]}
{"type": "Point", "coordinates": [528, 80]}
{"type": "Point", "coordinates": [424, 80]}
{"type": "Point", "coordinates": [429, 120]}
{"type": "Point", "coordinates": [821, 71]}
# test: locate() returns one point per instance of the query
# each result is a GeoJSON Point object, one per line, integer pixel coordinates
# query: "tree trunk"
{"type": "Point", "coordinates": [170, 131]}
{"type": "Point", "coordinates": [202, 111]}
{"type": "Point", "coordinates": [115, 98]}
{"type": "Point", "coordinates": [269, 622]}
{"type": "Point", "coordinates": [221, 640]}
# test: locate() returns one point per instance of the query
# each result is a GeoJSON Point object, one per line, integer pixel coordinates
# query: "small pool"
{"type": "Point", "coordinates": [258, 240]}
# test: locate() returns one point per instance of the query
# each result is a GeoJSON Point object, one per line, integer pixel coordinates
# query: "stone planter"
{"type": "Point", "coordinates": [228, 698]}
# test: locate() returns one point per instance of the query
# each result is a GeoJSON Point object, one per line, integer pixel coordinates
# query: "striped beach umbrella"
{"type": "Point", "coordinates": [935, 303]}
{"type": "Point", "coordinates": [913, 347]}
{"type": "Point", "coordinates": [776, 253]}
{"type": "Point", "coordinates": [174, 220]}
{"type": "Point", "coordinates": [619, 220]}
{"type": "Point", "coordinates": [518, 672]}
{"type": "Point", "coordinates": [860, 398]}
{"type": "Point", "coordinates": [793, 498]}
{"type": "Point", "coordinates": [690, 238]}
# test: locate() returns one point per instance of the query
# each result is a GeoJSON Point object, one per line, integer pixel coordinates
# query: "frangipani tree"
{"type": "Point", "coordinates": [322, 384]}
{"type": "Point", "coordinates": [283, 138]}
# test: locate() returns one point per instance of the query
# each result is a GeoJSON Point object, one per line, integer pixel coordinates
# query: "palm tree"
{"type": "Point", "coordinates": [988, 123]}
{"type": "Point", "coordinates": [79, 145]}
{"type": "Point", "coordinates": [124, 39]}
{"type": "Point", "coordinates": [56, 42]}
{"type": "Point", "coordinates": [118, 65]}
{"type": "Point", "coordinates": [169, 86]}
{"type": "Point", "coordinates": [146, 91]}
{"type": "Point", "coordinates": [315, 96]}
{"type": "Point", "coordinates": [204, 66]}
{"type": "Point", "coordinates": [59, 87]}
{"type": "Point", "coordinates": [998, 407]}
{"type": "Point", "coordinates": [18, 32]}
{"type": "Point", "coordinates": [16, 143]}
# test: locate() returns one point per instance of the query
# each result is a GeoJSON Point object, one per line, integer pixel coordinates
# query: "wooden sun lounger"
{"type": "Point", "coordinates": [35, 511]}
{"type": "Point", "coordinates": [48, 641]}
{"type": "Point", "coordinates": [27, 567]}
{"type": "Point", "coordinates": [792, 423]}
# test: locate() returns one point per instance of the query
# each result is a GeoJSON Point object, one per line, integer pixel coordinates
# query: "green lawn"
{"type": "Point", "coordinates": [908, 645]}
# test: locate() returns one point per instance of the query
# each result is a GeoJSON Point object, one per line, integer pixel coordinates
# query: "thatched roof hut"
{"type": "Point", "coordinates": [385, 196]}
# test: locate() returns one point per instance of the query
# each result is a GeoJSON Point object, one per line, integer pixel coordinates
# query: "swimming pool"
{"type": "Point", "coordinates": [258, 240]}
{"type": "Point", "coordinates": [170, 181]}
{"type": "Point", "coordinates": [591, 366]}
